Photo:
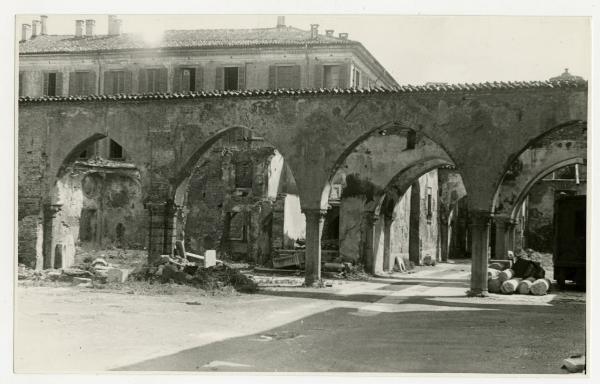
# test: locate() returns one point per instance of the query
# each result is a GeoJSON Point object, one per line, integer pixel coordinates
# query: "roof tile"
{"type": "Point", "coordinates": [172, 39]}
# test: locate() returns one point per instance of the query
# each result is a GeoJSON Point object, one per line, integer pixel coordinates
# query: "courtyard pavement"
{"type": "Point", "coordinates": [420, 322]}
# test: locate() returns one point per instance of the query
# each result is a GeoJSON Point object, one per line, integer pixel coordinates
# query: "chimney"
{"type": "Point", "coordinates": [280, 21]}
{"type": "Point", "coordinates": [343, 36]}
{"type": "Point", "coordinates": [44, 20]}
{"type": "Point", "coordinates": [117, 26]}
{"type": "Point", "coordinates": [78, 28]}
{"type": "Point", "coordinates": [35, 28]}
{"type": "Point", "coordinates": [314, 31]}
{"type": "Point", "coordinates": [329, 32]}
{"type": "Point", "coordinates": [25, 30]}
{"type": "Point", "coordinates": [90, 25]}
{"type": "Point", "coordinates": [111, 24]}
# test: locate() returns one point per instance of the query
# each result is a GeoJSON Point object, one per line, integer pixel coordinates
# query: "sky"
{"type": "Point", "coordinates": [414, 49]}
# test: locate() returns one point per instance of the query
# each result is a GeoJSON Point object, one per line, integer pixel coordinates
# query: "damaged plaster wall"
{"type": "Point", "coordinates": [101, 207]}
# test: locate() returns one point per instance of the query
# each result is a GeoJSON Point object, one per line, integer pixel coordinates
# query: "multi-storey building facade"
{"type": "Point", "coordinates": [191, 61]}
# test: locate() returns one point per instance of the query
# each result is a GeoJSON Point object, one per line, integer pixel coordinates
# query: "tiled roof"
{"type": "Point", "coordinates": [172, 39]}
{"type": "Point", "coordinates": [485, 87]}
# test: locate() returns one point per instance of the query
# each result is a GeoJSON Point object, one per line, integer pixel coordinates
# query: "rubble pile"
{"type": "Point", "coordinates": [524, 277]}
{"type": "Point", "coordinates": [178, 270]}
{"type": "Point", "coordinates": [350, 271]}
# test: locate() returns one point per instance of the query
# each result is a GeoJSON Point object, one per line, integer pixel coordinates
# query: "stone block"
{"type": "Point", "coordinates": [81, 280]}
{"type": "Point", "coordinates": [116, 275]}
{"type": "Point", "coordinates": [210, 258]}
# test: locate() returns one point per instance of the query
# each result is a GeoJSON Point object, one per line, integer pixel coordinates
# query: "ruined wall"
{"type": "Point", "coordinates": [539, 229]}
{"type": "Point", "coordinates": [351, 225]}
{"type": "Point", "coordinates": [400, 229]}
{"type": "Point", "coordinates": [102, 207]}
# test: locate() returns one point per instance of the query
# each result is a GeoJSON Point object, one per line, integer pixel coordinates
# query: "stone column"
{"type": "Point", "coordinates": [162, 217]}
{"type": "Point", "coordinates": [312, 260]}
{"type": "Point", "coordinates": [370, 220]}
{"type": "Point", "coordinates": [50, 233]}
{"type": "Point", "coordinates": [511, 228]}
{"type": "Point", "coordinates": [501, 246]}
{"type": "Point", "coordinates": [387, 241]}
{"type": "Point", "coordinates": [479, 227]}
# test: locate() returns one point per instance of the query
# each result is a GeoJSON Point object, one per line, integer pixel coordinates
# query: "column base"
{"type": "Point", "coordinates": [313, 284]}
{"type": "Point", "coordinates": [477, 293]}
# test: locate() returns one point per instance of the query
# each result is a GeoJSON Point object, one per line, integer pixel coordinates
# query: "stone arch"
{"type": "Point", "coordinates": [525, 190]}
{"type": "Point", "coordinates": [206, 222]}
{"type": "Point", "coordinates": [384, 169]}
{"type": "Point", "coordinates": [574, 131]}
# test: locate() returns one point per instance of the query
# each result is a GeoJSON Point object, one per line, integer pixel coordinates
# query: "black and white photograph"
{"type": "Point", "coordinates": [286, 192]}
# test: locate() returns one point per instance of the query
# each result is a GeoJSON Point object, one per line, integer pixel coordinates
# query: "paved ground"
{"type": "Point", "coordinates": [419, 322]}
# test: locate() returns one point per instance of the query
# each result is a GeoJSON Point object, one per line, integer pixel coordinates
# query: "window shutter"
{"type": "Point", "coordinates": [177, 79]}
{"type": "Point", "coordinates": [162, 79]}
{"type": "Point", "coordinates": [272, 77]}
{"type": "Point", "coordinates": [21, 84]}
{"type": "Point", "coordinates": [344, 74]}
{"type": "Point", "coordinates": [199, 79]}
{"type": "Point", "coordinates": [72, 83]}
{"type": "Point", "coordinates": [318, 83]}
{"type": "Point", "coordinates": [45, 84]}
{"type": "Point", "coordinates": [108, 83]}
{"type": "Point", "coordinates": [142, 88]}
{"type": "Point", "coordinates": [91, 83]}
{"type": "Point", "coordinates": [128, 88]}
{"type": "Point", "coordinates": [242, 77]}
{"type": "Point", "coordinates": [59, 84]}
{"type": "Point", "coordinates": [219, 79]}
{"type": "Point", "coordinates": [296, 77]}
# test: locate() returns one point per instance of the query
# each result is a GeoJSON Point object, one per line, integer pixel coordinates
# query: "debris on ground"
{"type": "Point", "coordinates": [180, 271]}
{"type": "Point", "coordinates": [574, 364]}
{"type": "Point", "coordinates": [352, 272]}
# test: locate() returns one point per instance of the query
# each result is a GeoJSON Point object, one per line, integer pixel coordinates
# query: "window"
{"type": "Point", "coordinates": [115, 150]}
{"type": "Point", "coordinates": [188, 79]}
{"type": "Point", "coordinates": [52, 83]}
{"type": "Point", "coordinates": [243, 174]}
{"type": "Point", "coordinates": [117, 81]}
{"type": "Point", "coordinates": [429, 205]}
{"type": "Point", "coordinates": [152, 80]}
{"type": "Point", "coordinates": [411, 139]}
{"type": "Point", "coordinates": [79, 83]}
{"type": "Point", "coordinates": [331, 76]}
{"type": "Point", "coordinates": [21, 93]}
{"type": "Point", "coordinates": [285, 75]}
{"type": "Point", "coordinates": [230, 80]}
{"type": "Point", "coordinates": [356, 78]}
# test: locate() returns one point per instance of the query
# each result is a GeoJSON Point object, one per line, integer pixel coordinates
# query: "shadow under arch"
{"type": "Point", "coordinates": [525, 191]}
{"type": "Point", "coordinates": [532, 144]}
{"type": "Point", "coordinates": [389, 127]}
{"type": "Point", "coordinates": [76, 150]}
{"type": "Point", "coordinates": [398, 186]}
{"type": "Point", "coordinates": [182, 175]}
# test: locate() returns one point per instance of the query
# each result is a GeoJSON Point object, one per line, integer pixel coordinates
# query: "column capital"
{"type": "Point", "coordinates": [390, 217]}
{"type": "Point", "coordinates": [52, 209]}
{"type": "Point", "coordinates": [502, 220]}
{"type": "Point", "coordinates": [479, 218]}
{"type": "Point", "coordinates": [321, 213]}
{"type": "Point", "coordinates": [371, 217]}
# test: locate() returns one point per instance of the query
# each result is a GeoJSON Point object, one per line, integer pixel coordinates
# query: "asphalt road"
{"type": "Point", "coordinates": [407, 323]}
